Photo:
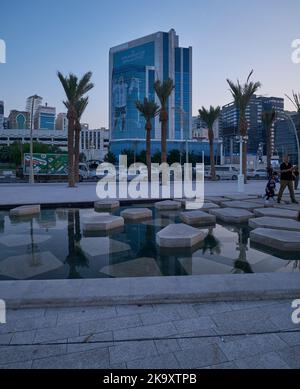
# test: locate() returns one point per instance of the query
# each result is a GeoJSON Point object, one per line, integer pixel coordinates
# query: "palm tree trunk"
{"type": "Point", "coordinates": [164, 141]}
{"type": "Point", "coordinates": [212, 160]}
{"type": "Point", "coordinates": [71, 177]}
{"type": "Point", "coordinates": [148, 149]}
{"type": "Point", "coordinates": [76, 152]}
{"type": "Point", "coordinates": [245, 151]}
{"type": "Point", "coordinates": [268, 147]}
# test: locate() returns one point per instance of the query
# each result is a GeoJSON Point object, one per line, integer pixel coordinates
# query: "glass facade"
{"type": "Point", "coordinates": [47, 121]}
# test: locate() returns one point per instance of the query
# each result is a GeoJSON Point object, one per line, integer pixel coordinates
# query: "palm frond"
{"type": "Point", "coordinates": [295, 100]}
{"type": "Point", "coordinates": [148, 109]}
{"type": "Point", "coordinates": [163, 91]}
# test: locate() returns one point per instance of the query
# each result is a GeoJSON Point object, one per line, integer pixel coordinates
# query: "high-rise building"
{"type": "Point", "coordinates": [32, 105]}
{"type": "Point", "coordinates": [45, 118]}
{"type": "Point", "coordinates": [256, 132]}
{"type": "Point", "coordinates": [284, 136]}
{"type": "Point", "coordinates": [134, 67]}
{"type": "Point", "coordinates": [1, 115]}
{"type": "Point", "coordinates": [18, 120]}
{"type": "Point", "coordinates": [61, 123]}
{"type": "Point", "coordinates": [200, 129]}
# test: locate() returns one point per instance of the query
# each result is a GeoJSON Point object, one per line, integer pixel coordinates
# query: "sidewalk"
{"type": "Point", "coordinates": [21, 194]}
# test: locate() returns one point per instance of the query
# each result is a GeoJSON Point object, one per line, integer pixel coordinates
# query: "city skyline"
{"type": "Point", "coordinates": [46, 46]}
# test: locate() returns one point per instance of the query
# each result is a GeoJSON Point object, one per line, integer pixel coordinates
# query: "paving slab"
{"type": "Point", "coordinates": [240, 197]}
{"type": "Point", "coordinates": [198, 218]}
{"type": "Point", "coordinates": [247, 205]}
{"type": "Point", "coordinates": [106, 205]}
{"type": "Point", "coordinates": [25, 210]}
{"type": "Point", "coordinates": [232, 215]}
{"type": "Point", "coordinates": [292, 207]}
{"type": "Point", "coordinates": [277, 212]}
{"type": "Point", "coordinates": [179, 236]}
{"type": "Point", "coordinates": [136, 214]}
{"type": "Point", "coordinates": [102, 223]}
{"type": "Point", "coordinates": [215, 199]}
{"type": "Point", "coordinates": [279, 240]}
{"type": "Point", "coordinates": [168, 205]}
{"type": "Point", "coordinates": [275, 223]}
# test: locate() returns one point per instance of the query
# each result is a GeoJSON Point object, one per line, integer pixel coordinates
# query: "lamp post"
{"type": "Point", "coordinates": [286, 116]}
{"type": "Point", "coordinates": [183, 114]}
{"type": "Point", "coordinates": [241, 180]}
{"type": "Point", "coordinates": [32, 100]}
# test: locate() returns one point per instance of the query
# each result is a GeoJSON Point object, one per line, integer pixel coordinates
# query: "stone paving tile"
{"type": "Point", "coordinates": [240, 305]}
{"type": "Point", "coordinates": [118, 323]}
{"type": "Point", "coordinates": [159, 317]}
{"type": "Point", "coordinates": [126, 310]}
{"type": "Point", "coordinates": [265, 361]}
{"type": "Point", "coordinates": [202, 356]}
{"type": "Point", "coordinates": [167, 361]}
{"type": "Point", "coordinates": [24, 337]}
{"type": "Point", "coordinates": [86, 314]}
{"type": "Point", "coordinates": [207, 309]}
{"type": "Point", "coordinates": [28, 324]}
{"type": "Point", "coordinates": [223, 366]}
{"type": "Point", "coordinates": [57, 333]}
{"type": "Point", "coordinates": [167, 346]}
{"type": "Point", "coordinates": [291, 339]}
{"type": "Point", "coordinates": [18, 365]}
{"type": "Point", "coordinates": [14, 314]}
{"type": "Point", "coordinates": [93, 359]}
{"type": "Point", "coordinates": [187, 343]}
{"type": "Point", "coordinates": [291, 356]}
{"type": "Point", "coordinates": [5, 338]}
{"type": "Point", "coordinates": [85, 346]}
{"type": "Point", "coordinates": [185, 311]}
{"type": "Point", "coordinates": [200, 323]}
{"type": "Point", "coordinates": [126, 352]}
{"type": "Point", "coordinates": [146, 332]}
{"type": "Point", "coordinates": [250, 346]}
{"type": "Point", "coordinates": [28, 353]}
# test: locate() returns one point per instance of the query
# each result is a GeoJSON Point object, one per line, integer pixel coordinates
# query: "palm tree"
{"type": "Point", "coordinates": [242, 95]}
{"type": "Point", "coordinates": [209, 117]}
{"type": "Point", "coordinates": [149, 110]}
{"type": "Point", "coordinates": [163, 91]}
{"type": "Point", "coordinates": [268, 118]}
{"type": "Point", "coordinates": [80, 108]}
{"type": "Point", "coordinates": [74, 89]}
{"type": "Point", "coordinates": [295, 100]}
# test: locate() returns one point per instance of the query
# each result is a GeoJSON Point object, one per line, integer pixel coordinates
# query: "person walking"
{"type": "Point", "coordinates": [296, 177]}
{"type": "Point", "coordinates": [287, 179]}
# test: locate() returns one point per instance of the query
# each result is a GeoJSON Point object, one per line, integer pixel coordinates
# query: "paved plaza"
{"type": "Point", "coordinates": [180, 336]}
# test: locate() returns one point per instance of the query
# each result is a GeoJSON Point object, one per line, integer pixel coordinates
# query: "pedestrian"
{"type": "Point", "coordinates": [271, 187]}
{"type": "Point", "coordinates": [296, 177]}
{"type": "Point", "coordinates": [286, 181]}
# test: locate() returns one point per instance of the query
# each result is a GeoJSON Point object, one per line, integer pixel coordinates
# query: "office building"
{"type": "Point", "coordinates": [44, 118]}
{"type": "Point", "coordinates": [18, 120]}
{"type": "Point", "coordinates": [1, 115]}
{"type": "Point", "coordinates": [133, 69]}
{"type": "Point", "coordinates": [284, 136]}
{"type": "Point", "coordinates": [32, 105]}
{"type": "Point", "coordinates": [200, 130]}
{"type": "Point", "coordinates": [61, 123]}
{"type": "Point", "coordinates": [94, 143]}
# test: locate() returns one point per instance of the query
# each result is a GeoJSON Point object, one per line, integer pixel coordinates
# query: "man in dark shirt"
{"type": "Point", "coordinates": [287, 169]}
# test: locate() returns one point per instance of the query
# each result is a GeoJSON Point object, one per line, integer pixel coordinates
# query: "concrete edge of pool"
{"type": "Point", "coordinates": [190, 289]}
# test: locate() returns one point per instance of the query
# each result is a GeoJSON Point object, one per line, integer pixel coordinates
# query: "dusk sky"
{"type": "Point", "coordinates": [229, 38]}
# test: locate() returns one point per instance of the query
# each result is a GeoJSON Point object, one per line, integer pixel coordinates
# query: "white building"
{"type": "Point", "coordinates": [95, 143]}
{"type": "Point", "coordinates": [62, 121]}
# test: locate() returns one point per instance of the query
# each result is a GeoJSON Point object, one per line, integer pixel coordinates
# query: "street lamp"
{"type": "Point", "coordinates": [241, 180]}
{"type": "Point", "coordinates": [183, 114]}
{"type": "Point", "coordinates": [32, 100]}
{"type": "Point", "coordinates": [286, 116]}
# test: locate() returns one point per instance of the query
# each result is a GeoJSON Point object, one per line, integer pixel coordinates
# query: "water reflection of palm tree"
{"type": "Point", "coordinates": [75, 257]}
{"type": "Point", "coordinates": [241, 265]}
{"type": "Point", "coordinates": [295, 265]}
{"type": "Point", "coordinates": [33, 248]}
{"type": "Point", "coordinates": [211, 243]}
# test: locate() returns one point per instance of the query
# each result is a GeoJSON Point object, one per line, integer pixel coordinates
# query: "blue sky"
{"type": "Point", "coordinates": [229, 38]}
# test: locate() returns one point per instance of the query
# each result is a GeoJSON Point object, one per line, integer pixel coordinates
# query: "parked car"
{"type": "Point", "coordinates": [258, 174]}
{"type": "Point", "coordinates": [226, 173]}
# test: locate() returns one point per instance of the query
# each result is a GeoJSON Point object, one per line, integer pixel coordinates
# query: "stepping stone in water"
{"type": "Point", "coordinates": [134, 214]}
{"type": "Point", "coordinates": [240, 197]}
{"type": "Point", "coordinates": [106, 205]}
{"type": "Point", "coordinates": [216, 200]}
{"type": "Point", "coordinates": [26, 210]}
{"type": "Point", "coordinates": [179, 236]}
{"type": "Point", "coordinates": [198, 218]}
{"type": "Point", "coordinates": [102, 223]}
{"type": "Point", "coordinates": [249, 206]}
{"type": "Point", "coordinates": [279, 240]}
{"type": "Point", "coordinates": [275, 223]}
{"type": "Point", "coordinates": [206, 206]}
{"type": "Point", "coordinates": [232, 215]}
{"type": "Point", "coordinates": [167, 205]}
{"type": "Point", "coordinates": [277, 212]}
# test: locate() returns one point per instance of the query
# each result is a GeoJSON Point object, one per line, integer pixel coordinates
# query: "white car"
{"type": "Point", "coordinates": [226, 173]}
{"type": "Point", "coordinates": [258, 174]}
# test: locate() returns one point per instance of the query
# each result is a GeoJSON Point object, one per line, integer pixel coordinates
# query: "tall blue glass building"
{"type": "Point", "coordinates": [134, 67]}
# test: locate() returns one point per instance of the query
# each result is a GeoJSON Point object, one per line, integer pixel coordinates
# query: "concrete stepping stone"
{"type": "Point", "coordinates": [215, 199]}
{"type": "Point", "coordinates": [247, 205]}
{"type": "Point", "coordinates": [102, 223]}
{"type": "Point", "coordinates": [198, 218]}
{"type": "Point", "coordinates": [240, 197]}
{"type": "Point", "coordinates": [134, 214]}
{"type": "Point", "coordinates": [179, 236]}
{"type": "Point", "coordinates": [291, 207]}
{"type": "Point", "coordinates": [279, 240]}
{"type": "Point", "coordinates": [106, 205]}
{"type": "Point", "coordinates": [140, 267]}
{"type": "Point", "coordinates": [25, 210]}
{"type": "Point", "coordinates": [275, 223]}
{"type": "Point", "coordinates": [276, 212]}
{"type": "Point", "coordinates": [232, 215]}
{"type": "Point", "coordinates": [167, 205]}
